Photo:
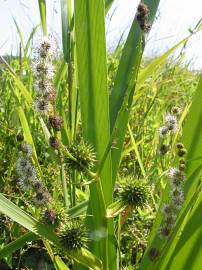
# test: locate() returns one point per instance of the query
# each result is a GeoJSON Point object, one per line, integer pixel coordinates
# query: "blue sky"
{"type": "Point", "coordinates": [175, 17]}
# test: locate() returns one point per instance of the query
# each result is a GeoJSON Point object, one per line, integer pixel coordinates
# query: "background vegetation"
{"type": "Point", "coordinates": [115, 103]}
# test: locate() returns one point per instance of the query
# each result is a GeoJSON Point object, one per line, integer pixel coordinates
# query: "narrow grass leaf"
{"type": "Point", "coordinates": [17, 244]}
{"type": "Point", "coordinates": [42, 10]}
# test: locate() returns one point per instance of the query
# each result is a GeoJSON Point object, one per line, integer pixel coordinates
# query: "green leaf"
{"type": "Point", "coordinates": [30, 236]}
{"type": "Point", "coordinates": [42, 9]}
{"type": "Point", "coordinates": [66, 15]}
{"type": "Point", "coordinates": [108, 4]}
{"type": "Point", "coordinates": [92, 82]}
{"type": "Point", "coordinates": [29, 40]}
{"type": "Point", "coordinates": [188, 251]}
{"type": "Point", "coordinates": [86, 258]}
{"type": "Point", "coordinates": [77, 210]}
{"type": "Point", "coordinates": [18, 215]}
{"type": "Point", "coordinates": [124, 86]}
{"type": "Point", "coordinates": [17, 244]}
{"type": "Point", "coordinates": [115, 209]}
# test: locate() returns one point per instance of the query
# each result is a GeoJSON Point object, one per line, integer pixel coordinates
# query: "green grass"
{"type": "Point", "coordinates": [116, 103]}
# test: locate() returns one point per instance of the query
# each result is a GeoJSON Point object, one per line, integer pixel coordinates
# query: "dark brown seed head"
{"type": "Point", "coordinates": [20, 137]}
{"type": "Point", "coordinates": [56, 122]}
{"type": "Point", "coordinates": [182, 167]}
{"type": "Point", "coordinates": [145, 27]}
{"type": "Point", "coordinates": [49, 216]}
{"type": "Point", "coordinates": [182, 161]}
{"type": "Point", "coordinates": [54, 142]}
{"type": "Point", "coordinates": [182, 152]}
{"type": "Point", "coordinates": [153, 253]}
{"type": "Point", "coordinates": [164, 149]}
{"type": "Point", "coordinates": [180, 145]}
{"type": "Point", "coordinates": [143, 9]}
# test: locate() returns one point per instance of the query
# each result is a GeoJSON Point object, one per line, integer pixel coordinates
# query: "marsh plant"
{"type": "Point", "coordinates": [101, 156]}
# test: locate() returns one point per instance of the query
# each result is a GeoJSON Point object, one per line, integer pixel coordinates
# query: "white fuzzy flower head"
{"type": "Point", "coordinates": [30, 173]}
{"type": "Point", "coordinates": [171, 122]}
{"type": "Point", "coordinates": [43, 69]}
{"type": "Point", "coordinates": [21, 165]}
{"type": "Point", "coordinates": [167, 209]}
{"type": "Point", "coordinates": [163, 131]}
{"type": "Point", "coordinates": [177, 196]}
{"type": "Point", "coordinates": [170, 220]}
{"type": "Point", "coordinates": [176, 176]}
{"type": "Point", "coordinates": [176, 110]}
{"type": "Point", "coordinates": [164, 231]}
{"type": "Point", "coordinates": [43, 87]}
{"type": "Point", "coordinates": [26, 149]}
{"type": "Point", "coordinates": [42, 106]}
{"type": "Point", "coordinates": [46, 47]}
{"type": "Point", "coordinates": [24, 184]}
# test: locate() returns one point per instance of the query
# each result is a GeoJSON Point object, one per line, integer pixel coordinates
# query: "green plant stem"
{"type": "Point", "coordinates": [64, 185]}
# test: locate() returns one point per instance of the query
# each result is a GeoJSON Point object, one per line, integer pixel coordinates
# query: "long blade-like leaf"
{"type": "Point", "coordinates": [42, 9]}
{"type": "Point", "coordinates": [92, 76]}
{"type": "Point", "coordinates": [124, 85]}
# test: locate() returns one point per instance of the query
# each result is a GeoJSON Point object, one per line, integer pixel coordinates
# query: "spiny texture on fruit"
{"type": "Point", "coordinates": [73, 236]}
{"type": "Point", "coordinates": [135, 193]}
{"type": "Point", "coordinates": [84, 154]}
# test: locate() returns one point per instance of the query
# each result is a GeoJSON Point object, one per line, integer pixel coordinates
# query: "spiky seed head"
{"type": "Point", "coordinates": [153, 253]}
{"type": "Point", "coordinates": [84, 154]}
{"type": "Point", "coordinates": [54, 142]}
{"type": "Point", "coordinates": [73, 236]}
{"type": "Point", "coordinates": [56, 122]}
{"type": "Point", "coordinates": [135, 193]}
